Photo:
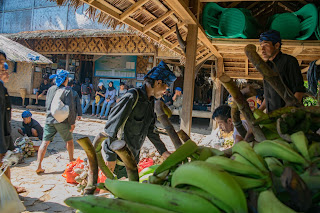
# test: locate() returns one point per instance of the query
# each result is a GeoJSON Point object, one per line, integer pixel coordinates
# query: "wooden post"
{"type": "Point", "coordinates": [67, 61]}
{"type": "Point", "coordinates": [188, 84]}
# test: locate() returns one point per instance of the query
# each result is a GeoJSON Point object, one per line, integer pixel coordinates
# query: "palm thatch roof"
{"type": "Point", "coordinates": [19, 53]}
{"type": "Point", "coordinates": [67, 33]}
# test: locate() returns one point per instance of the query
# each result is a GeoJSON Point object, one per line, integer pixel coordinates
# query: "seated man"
{"type": "Point", "coordinates": [43, 89]}
{"type": "Point", "coordinates": [167, 98]}
{"type": "Point", "coordinates": [31, 127]}
{"type": "Point", "coordinates": [121, 91]}
{"type": "Point", "coordinates": [222, 116]}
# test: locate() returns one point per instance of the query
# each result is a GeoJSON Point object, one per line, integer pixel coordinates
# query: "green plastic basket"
{"type": "Point", "coordinates": [287, 24]}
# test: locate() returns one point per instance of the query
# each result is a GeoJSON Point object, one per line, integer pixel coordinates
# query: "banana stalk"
{"type": "Point", "coordinates": [163, 118]}
{"type": "Point", "coordinates": [183, 135]}
{"type": "Point", "coordinates": [98, 140]}
{"type": "Point", "coordinates": [86, 144]}
{"type": "Point", "coordinates": [120, 147]}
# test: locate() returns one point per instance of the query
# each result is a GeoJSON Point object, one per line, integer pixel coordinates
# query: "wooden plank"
{"type": "Point", "coordinates": [242, 0]}
{"type": "Point", "coordinates": [204, 58]}
{"type": "Point", "coordinates": [202, 54]}
{"type": "Point", "coordinates": [132, 9]}
{"type": "Point", "coordinates": [203, 37]}
{"type": "Point", "coordinates": [219, 67]}
{"type": "Point", "coordinates": [247, 66]}
{"type": "Point", "coordinates": [188, 83]}
{"type": "Point", "coordinates": [157, 21]}
{"type": "Point", "coordinates": [235, 74]}
{"type": "Point", "coordinates": [297, 51]}
{"type": "Point", "coordinates": [195, 113]}
{"type": "Point", "coordinates": [234, 4]}
{"type": "Point", "coordinates": [172, 30]}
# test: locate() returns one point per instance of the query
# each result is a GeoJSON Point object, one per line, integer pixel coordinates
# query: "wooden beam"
{"type": "Point", "coordinates": [157, 21]}
{"type": "Point", "coordinates": [242, 0]}
{"type": "Point", "coordinates": [247, 66]}
{"type": "Point", "coordinates": [297, 51]}
{"type": "Point", "coordinates": [172, 30]}
{"type": "Point", "coordinates": [234, 4]}
{"type": "Point", "coordinates": [202, 54]}
{"type": "Point", "coordinates": [201, 48]}
{"type": "Point", "coordinates": [132, 9]}
{"type": "Point", "coordinates": [252, 5]}
{"type": "Point", "coordinates": [204, 58]}
{"type": "Point", "coordinates": [219, 67]}
{"type": "Point", "coordinates": [188, 83]}
{"type": "Point", "coordinates": [203, 37]}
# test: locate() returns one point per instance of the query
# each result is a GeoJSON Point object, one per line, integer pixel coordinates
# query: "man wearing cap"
{"type": "Point", "coordinates": [135, 110]}
{"type": "Point", "coordinates": [177, 100]}
{"type": "Point", "coordinates": [31, 127]}
{"type": "Point", "coordinates": [286, 65]}
{"type": "Point", "coordinates": [52, 126]}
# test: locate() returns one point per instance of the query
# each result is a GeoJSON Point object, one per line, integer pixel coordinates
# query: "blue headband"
{"type": "Point", "coordinates": [162, 72]}
{"type": "Point", "coordinates": [26, 114]}
{"type": "Point", "coordinates": [6, 66]}
{"type": "Point", "coordinates": [179, 89]}
{"type": "Point", "coordinates": [271, 35]}
{"type": "Point", "coordinates": [60, 76]}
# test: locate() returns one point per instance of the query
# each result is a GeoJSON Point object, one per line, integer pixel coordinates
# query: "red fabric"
{"type": "Point", "coordinates": [144, 163]}
{"type": "Point", "coordinates": [101, 177]}
{"type": "Point", "coordinates": [69, 173]}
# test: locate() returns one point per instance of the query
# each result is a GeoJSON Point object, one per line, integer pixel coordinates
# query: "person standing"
{"type": "Point", "coordinates": [135, 112]}
{"type": "Point", "coordinates": [121, 91]}
{"type": "Point", "coordinates": [31, 127]}
{"type": "Point", "coordinates": [52, 126]}
{"type": "Point", "coordinates": [100, 95]}
{"type": "Point", "coordinates": [177, 101]}
{"type": "Point", "coordinates": [43, 89]}
{"type": "Point", "coordinates": [110, 98]}
{"type": "Point", "coordinates": [285, 65]}
{"type": "Point", "coordinates": [86, 91]}
{"type": "Point", "coordinates": [76, 98]}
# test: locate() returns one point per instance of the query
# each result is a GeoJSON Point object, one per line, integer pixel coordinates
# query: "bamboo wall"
{"type": "Point", "coordinates": [21, 78]}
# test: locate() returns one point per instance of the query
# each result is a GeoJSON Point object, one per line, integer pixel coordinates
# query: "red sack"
{"type": "Point", "coordinates": [69, 173]}
{"type": "Point", "coordinates": [101, 177]}
{"type": "Point", "coordinates": [144, 163]}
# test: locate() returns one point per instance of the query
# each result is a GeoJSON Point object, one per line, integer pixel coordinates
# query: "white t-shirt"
{"type": "Point", "coordinates": [235, 131]}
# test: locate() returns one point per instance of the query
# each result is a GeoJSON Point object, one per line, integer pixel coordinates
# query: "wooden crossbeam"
{"type": "Point", "coordinates": [242, 0]}
{"type": "Point", "coordinates": [132, 9]}
{"type": "Point", "coordinates": [172, 30]}
{"type": "Point", "coordinates": [204, 58]}
{"type": "Point", "coordinates": [247, 66]}
{"type": "Point", "coordinates": [233, 4]}
{"type": "Point", "coordinates": [155, 22]}
{"type": "Point", "coordinates": [297, 51]}
{"type": "Point", "coordinates": [201, 48]}
{"type": "Point", "coordinates": [202, 54]}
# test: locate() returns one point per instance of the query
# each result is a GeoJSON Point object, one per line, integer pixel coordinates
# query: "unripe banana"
{"type": "Point", "coordinates": [237, 157]}
{"type": "Point", "coordinates": [205, 153]}
{"type": "Point", "coordinates": [161, 196]}
{"type": "Point", "coordinates": [184, 151]}
{"type": "Point", "coordinates": [301, 142]}
{"type": "Point", "coordinates": [90, 204]}
{"type": "Point", "coordinates": [270, 134]}
{"type": "Point", "coordinates": [314, 150]}
{"type": "Point", "coordinates": [274, 165]}
{"type": "Point", "coordinates": [278, 150]}
{"type": "Point", "coordinates": [213, 180]}
{"type": "Point", "coordinates": [251, 183]}
{"type": "Point", "coordinates": [236, 167]}
{"type": "Point", "coordinates": [269, 203]}
{"type": "Point", "coordinates": [244, 149]}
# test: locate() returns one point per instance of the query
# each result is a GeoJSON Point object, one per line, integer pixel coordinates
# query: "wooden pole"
{"type": "Point", "coordinates": [188, 84]}
{"type": "Point", "coordinates": [67, 61]}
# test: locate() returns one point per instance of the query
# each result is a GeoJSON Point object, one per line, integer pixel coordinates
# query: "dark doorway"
{"type": "Point", "coordinates": [86, 70]}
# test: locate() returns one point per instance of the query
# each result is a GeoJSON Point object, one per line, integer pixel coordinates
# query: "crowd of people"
{"type": "Point", "coordinates": [133, 112]}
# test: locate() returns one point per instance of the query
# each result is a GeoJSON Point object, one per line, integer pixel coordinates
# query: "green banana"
{"type": "Point", "coordinates": [251, 183]}
{"type": "Point", "coordinates": [89, 204]}
{"type": "Point", "coordinates": [237, 157]}
{"type": "Point", "coordinates": [278, 150]}
{"type": "Point", "coordinates": [259, 114]}
{"type": "Point", "coordinates": [161, 196]}
{"type": "Point", "coordinates": [213, 180]}
{"type": "Point", "coordinates": [314, 150]}
{"type": "Point", "coordinates": [312, 181]}
{"type": "Point", "coordinates": [270, 134]}
{"type": "Point", "coordinates": [205, 153]}
{"type": "Point", "coordinates": [213, 150]}
{"type": "Point", "coordinates": [244, 149]}
{"type": "Point", "coordinates": [235, 167]}
{"type": "Point", "coordinates": [148, 170]}
{"type": "Point", "coordinates": [274, 165]}
{"type": "Point", "coordinates": [301, 142]}
{"type": "Point", "coordinates": [145, 178]}
{"type": "Point", "coordinates": [269, 203]}
{"type": "Point", "coordinates": [184, 151]}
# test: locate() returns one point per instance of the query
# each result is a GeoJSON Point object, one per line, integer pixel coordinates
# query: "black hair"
{"type": "Point", "coordinates": [3, 53]}
{"type": "Point", "coordinates": [223, 112]}
{"type": "Point", "coordinates": [122, 83]}
{"type": "Point", "coordinates": [71, 82]}
{"type": "Point", "coordinates": [150, 81]}
{"type": "Point", "coordinates": [260, 97]}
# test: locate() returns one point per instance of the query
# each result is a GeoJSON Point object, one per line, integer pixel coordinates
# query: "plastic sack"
{"type": "Point", "coordinates": [144, 163]}
{"type": "Point", "coordinates": [69, 173]}
{"type": "Point", "coordinates": [58, 109]}
{"type": "Point", "coordinates": [101, 177]}
{"type": "Point", "coordinates": [9, 199]}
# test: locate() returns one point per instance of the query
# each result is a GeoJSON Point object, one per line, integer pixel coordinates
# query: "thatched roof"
{"type": "Point", "coordinates": [19, 53]}
{"type": "Point", "coordinates": [67, 33]}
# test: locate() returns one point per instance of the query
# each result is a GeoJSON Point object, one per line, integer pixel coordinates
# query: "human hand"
{"type": "Point", "coordinates": [166, 154]}
{"type": "Point", "coordinates": [72, 128]}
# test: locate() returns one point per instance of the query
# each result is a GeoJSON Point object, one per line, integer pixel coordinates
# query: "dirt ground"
{"type": "Point", "coordinates": [46, 192]}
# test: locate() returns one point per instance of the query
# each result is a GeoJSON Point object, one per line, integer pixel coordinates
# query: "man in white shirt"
{"type": "Point", "coordinates": [222, 116]}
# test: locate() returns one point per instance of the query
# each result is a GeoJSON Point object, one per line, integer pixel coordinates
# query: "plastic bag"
{"type": "Point", "coordinates": [144, 163]}
{"type": "Point", "coordinates": [69, 173]}
{"type": "Point", "coordinates": [101, 177]}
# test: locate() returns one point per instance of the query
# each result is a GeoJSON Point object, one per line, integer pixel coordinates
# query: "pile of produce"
{"type": "Point", "coordinates": [26, 145]}
{"type": "Point", "coordinates": [275, 175]}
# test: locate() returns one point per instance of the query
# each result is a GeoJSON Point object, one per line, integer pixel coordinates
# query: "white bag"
{"type": "Point", "coordinates": [58, 109]}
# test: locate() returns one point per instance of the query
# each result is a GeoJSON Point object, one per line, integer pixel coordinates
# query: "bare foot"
{"type": "Point", "coordinates": [39, 171]}
{"type": "Point", "coordinates": [73, 159]}
{"type": "Point", "coordinates": [20, 189]}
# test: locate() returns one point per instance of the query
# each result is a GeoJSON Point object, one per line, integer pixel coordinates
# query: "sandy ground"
{"type": "Point", "coordinates": [46, 193]}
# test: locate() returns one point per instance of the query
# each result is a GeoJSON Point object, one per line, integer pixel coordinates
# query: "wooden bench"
{"type": "Point", "coordinates": [29, 96]}
{"type": "Point", "coordinates": [196, 113]}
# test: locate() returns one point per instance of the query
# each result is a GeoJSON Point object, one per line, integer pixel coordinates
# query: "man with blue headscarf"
{"type": "Point", "coordinates": [137, 106]}
{"type": "Point", "coordinates": [286, 65]}
{"type": "Point", "coordinates": [52, 126]}
{"type": "Point", "coordinates": [31, 127]}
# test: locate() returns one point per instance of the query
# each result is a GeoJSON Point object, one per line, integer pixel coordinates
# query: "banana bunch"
{"type": "Point", "coordinates": [81, 178]}
{"type": "Point", "coordinates": [26, 146]}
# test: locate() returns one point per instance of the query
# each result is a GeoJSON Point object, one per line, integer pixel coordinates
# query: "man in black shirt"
{"type": "Point", "coordinates": [43, 89]}
{"type": "Point", "coordinates": [31, 127]}
{"type": "Point", "coordinates": [286, 65]}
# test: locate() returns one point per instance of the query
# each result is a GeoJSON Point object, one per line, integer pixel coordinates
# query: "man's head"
{"type": "Point", "coordinates": [270, 43]}
{"type": "Point", "coordinates": [26, 116]}
{"type": "Point", "coordinates": [178, 91]}
{"type": "Point", "coordinates": [160, 77]}
{"type": "Point", "coordinates": [222, 115]}
{"type": "Point", "coordinates": [61, 77]}
{"type": "Point", "coordinates": [87, 80]}
{"type": "Point", "coordinates": [121, 86]}
{"type": "Point", "coordinates": [45, 81]}
{"type": "Point", "coordinates": [100, 85]}
{"type": "Point", "coordinates": [71, 82]}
